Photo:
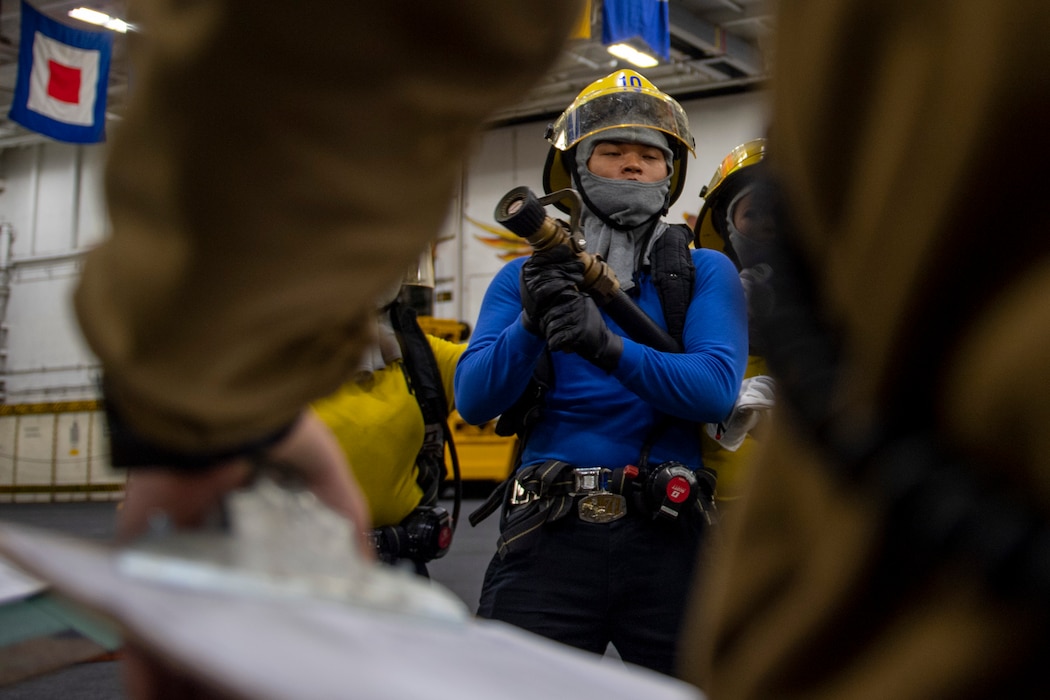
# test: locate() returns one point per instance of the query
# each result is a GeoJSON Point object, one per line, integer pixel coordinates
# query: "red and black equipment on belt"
{"type": "Point", "coordinates": [424, 535]}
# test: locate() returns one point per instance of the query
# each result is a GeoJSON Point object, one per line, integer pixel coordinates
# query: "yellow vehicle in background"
{"type": "Point", "coordinates": [483, 455]}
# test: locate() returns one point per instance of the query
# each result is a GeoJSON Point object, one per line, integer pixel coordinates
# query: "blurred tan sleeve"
{"type": "Point", "coordinates": [275, 170]}
{"type": "Point", "coordinates": [911, 139]}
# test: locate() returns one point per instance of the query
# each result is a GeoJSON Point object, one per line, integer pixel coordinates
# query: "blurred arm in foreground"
{"type": "Point", "coordinates": [275, 171]}
{"type": "Point", "coordinates": [261, 198]}
{"type": "Point", "coordinates": [893, 542]}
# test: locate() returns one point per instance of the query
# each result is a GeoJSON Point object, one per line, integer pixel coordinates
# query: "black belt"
{"type": "Point", "coordinates": [546, 492]}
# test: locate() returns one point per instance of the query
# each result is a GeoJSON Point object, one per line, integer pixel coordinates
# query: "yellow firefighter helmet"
{"type": "Point", "coordinates": [729, 177]}
{"type": "Point", "coordinates": [621, 99]}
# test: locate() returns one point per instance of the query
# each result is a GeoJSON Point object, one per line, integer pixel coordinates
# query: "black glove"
{"type": "Point", "coordinates": [574, 324]}
{"type": "Point", "coordinates": [545, 276]}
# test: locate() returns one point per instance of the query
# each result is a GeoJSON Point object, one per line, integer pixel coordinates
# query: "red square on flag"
{"type": "Point", "coordinates": [64, 82]}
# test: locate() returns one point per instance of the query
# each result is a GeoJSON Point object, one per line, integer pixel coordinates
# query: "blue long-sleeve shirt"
{"type": "Point", "coordinates": [591, 418]}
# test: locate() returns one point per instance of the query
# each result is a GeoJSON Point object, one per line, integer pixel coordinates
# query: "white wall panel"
{"type": "Point", "coordinates": [19, 198]}
{"type": "Point", "coordinates": [92, 219]}
{"type": "Point", "coordinates": [53, 196]}
{"type": "Point", "coordinates": [53, 201]}
{"type": "Point", "coordinates": [490, 174]}
{"type": "Point", "coordinates": [47, 358]}
{"type": "Point", "coordinates": [59, 456]}
{"type": "Point", "coordinates": [57, 197]}
{"type": "Point", "coordinates": [72, 467]}
{"type": "Point", "coordinates": [33, 462]}
{"type": "Point", "coordinates": [100, 471]}
{"type": "Point", "coordinates": [447, 292]}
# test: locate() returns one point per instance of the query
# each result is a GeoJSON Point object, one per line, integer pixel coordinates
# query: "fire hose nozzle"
{"type": "Point", "coordinates": [522, 213]}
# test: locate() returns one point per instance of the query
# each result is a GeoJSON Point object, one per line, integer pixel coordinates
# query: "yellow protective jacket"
{"type": "Point", "coordinates": [380, 427]}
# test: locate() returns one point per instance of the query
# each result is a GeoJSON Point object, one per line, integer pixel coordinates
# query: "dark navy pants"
{"type": "Point", "coordinates": [587, 584]}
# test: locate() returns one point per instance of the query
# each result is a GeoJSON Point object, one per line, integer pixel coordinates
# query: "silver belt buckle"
{"type": "Point", "coordinates": [586, 480]}
{"type": "Point", "coordinates": [599, 505]}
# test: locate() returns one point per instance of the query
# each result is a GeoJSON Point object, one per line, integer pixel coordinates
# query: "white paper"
{"type": "Point", "coordinates": [278, 648]}
{"type": "Point", "coordinates": [16, 584]}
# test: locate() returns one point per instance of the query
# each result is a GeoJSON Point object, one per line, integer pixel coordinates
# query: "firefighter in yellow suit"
{"type": "Point", "coordinates": [378, 420]}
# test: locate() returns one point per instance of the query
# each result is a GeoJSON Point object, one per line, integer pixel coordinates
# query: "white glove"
{"type": "Point", "coordinates": [757, 274]}
{"type": "Point", "coordinates": [756, 398]}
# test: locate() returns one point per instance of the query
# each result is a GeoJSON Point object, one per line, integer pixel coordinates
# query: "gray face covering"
{"type": "Point", "coordinates": [626, 203]}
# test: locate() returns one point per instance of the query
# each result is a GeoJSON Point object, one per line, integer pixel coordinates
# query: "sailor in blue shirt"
{"type": "Point", "coordinates": [620, 419]}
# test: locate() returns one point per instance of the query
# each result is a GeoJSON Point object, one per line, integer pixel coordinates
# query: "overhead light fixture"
{"type": "Point", "coordinates": [90, 16]}
{"type": "Point", "coordinates": [632, 55]}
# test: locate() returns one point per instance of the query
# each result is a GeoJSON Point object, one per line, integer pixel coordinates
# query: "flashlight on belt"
{"type": "Point", "coordinates": [671, 488]}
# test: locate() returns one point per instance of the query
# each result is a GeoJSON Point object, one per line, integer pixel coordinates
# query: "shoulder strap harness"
{"type": "Point", "coordinates": [425, 383]}
{"type": "Point", "coordinates": [673, 272]}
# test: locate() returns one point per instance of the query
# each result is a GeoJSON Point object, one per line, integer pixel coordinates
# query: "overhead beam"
{"type": "Point", "coordinates": [715, 41]}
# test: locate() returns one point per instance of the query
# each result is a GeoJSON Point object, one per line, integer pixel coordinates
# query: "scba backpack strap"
{"type": "Point", "coordinates": [673, 272]}
{"type": "Point", "coordinates": [519, 420]}
{"type": "Point", "coordinates": [426, 384]}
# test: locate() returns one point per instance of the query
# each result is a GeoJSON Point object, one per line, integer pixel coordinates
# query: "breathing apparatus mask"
{"type": "Point", "coordinates": [752, 242]}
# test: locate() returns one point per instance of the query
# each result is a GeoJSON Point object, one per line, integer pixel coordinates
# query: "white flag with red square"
{"type": "Point", "coordinates": [63, 74]}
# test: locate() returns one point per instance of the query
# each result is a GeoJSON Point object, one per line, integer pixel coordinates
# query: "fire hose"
{"type": "Point", "coordinates": [522, 213]}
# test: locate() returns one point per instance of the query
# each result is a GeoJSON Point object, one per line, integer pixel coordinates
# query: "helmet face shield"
{"type": "Point", "coordinates": [623, 99]}
{"type": "Point", "coordinates": [743, 156]}
{"type": "Point", "coordinates": [612, 110]}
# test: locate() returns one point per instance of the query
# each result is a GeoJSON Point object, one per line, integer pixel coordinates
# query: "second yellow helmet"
{"type": "Point", "coordinates": [729, 177]}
